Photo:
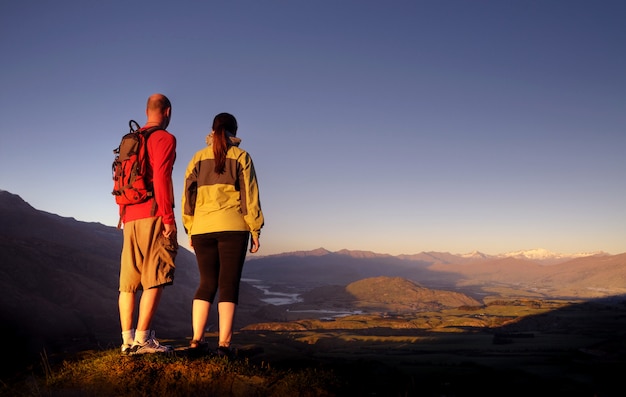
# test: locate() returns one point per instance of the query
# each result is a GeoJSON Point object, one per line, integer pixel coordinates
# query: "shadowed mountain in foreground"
{"type": "Point", "coordinates": [59, 279]}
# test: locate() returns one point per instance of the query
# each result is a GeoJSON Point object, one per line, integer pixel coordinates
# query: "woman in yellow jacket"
{"type": "Point", "coordinates": [221, 211]}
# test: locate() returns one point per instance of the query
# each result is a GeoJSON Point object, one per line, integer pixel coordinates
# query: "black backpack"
{"type": "Point", "coordinates": [130, 185]}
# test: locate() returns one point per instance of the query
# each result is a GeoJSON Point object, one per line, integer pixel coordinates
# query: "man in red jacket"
{"type": "Point", "coordinates": [150, 242]}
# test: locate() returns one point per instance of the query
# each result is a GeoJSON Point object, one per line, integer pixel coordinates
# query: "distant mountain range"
{"type": "Point", "coordinates": [59, 280]}
{"type": "Point", "coordinates": [539, 255]}
{"type": "Point", "coordinates": [552, 275]}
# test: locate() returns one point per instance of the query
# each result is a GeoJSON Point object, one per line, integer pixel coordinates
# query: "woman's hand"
{"type": "Point", "coordinates": [254, 245]}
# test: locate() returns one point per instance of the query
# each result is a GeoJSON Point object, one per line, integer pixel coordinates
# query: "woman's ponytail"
{"type": "Point", "coordinates": [220, 147]}
{"type": "Point", "coordinates": [223, 124]}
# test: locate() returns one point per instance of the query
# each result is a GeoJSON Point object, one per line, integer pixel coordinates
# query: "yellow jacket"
{"type": "Point", "coordinates": [214, 202]}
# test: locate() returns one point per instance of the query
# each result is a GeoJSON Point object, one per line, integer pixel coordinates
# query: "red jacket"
{"type": "Point", "coordinates": [161, 154]}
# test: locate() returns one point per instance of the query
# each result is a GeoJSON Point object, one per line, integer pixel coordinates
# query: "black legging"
{"type": "Point", "coordinates": [220, 259]}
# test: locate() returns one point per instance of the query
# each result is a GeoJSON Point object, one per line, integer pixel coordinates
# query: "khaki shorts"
{"type": "Point", "coordinates": [147, 259]}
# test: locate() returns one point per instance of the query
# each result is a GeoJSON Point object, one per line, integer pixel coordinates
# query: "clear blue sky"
{"type": "Point", "coordinates": [390, 126]}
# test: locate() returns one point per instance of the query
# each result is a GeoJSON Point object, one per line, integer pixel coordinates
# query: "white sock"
{"type": "Point", "coordinates": [141, 336]}
{"type": "Point", "coordinates": [128, 337]}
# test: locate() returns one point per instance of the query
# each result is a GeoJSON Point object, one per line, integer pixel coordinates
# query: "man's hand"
{"type": "Point", "coordinates": [169, 230]}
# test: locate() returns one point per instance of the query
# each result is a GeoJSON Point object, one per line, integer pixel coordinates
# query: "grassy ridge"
{"type": "Point", "coordinates": [108, 374]}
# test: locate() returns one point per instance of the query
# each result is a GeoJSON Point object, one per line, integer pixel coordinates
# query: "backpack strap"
{"type": "Point", "coordinates": [147, 132]}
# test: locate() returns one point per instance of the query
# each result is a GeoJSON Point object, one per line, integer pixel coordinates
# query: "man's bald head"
{"type": "Point", "coordinates": [159, 110]}
{"type": "Point", "coordinates": [158, 102]}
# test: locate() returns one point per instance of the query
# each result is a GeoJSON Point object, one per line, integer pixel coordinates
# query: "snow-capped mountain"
{"type": "Point", "coordinates": [543, 254]}
{"type": "Point", "coordinates": [540, 255]}
{"type": "Point", "coordinates": [475, 255]}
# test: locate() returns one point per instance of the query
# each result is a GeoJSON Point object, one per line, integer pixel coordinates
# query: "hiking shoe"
{"type": "Point", "coordinates": [197, 348]}
{"type": "Point", "coordinates": [126, 350]}
{"type": "Point", "coordinates": [225, 352]}
{"type": "Point", "coordinates": [151, 346]}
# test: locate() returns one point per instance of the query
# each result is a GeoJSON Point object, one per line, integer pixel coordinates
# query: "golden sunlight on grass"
{"type": "Point", "coordinates": [106, 373]}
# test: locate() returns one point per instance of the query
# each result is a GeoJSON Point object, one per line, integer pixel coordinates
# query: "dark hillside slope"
{"type": "Point", "coordinates": [59, 279]}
